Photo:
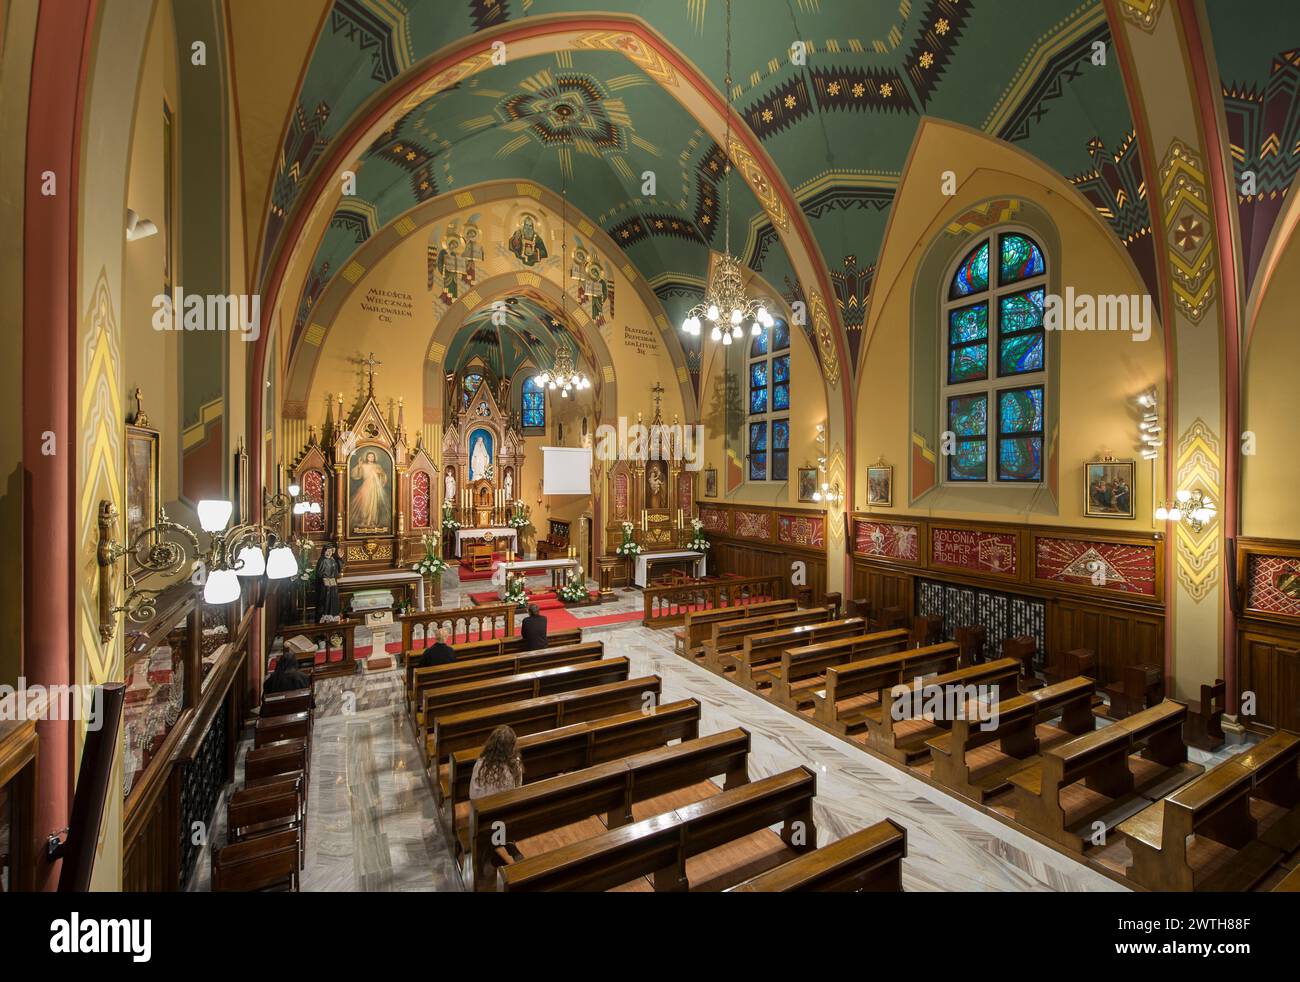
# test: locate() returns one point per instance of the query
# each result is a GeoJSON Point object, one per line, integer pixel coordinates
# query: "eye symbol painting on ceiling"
{"type": "Point", "coordinates": [568, 110]}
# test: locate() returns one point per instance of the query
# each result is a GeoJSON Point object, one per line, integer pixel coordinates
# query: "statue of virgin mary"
{"type": "Point", "coordinates": [479, 462]}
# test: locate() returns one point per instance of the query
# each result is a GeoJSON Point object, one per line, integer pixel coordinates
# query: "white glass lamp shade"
{"type": "Point", "coordinates": [726, 337]}
{"type": "Point", "coordinates": [712, 312]}
{"type": "Point", "coordinates": [716, 333]}
{"type": "Point", "coordinates": [251, 562]}
{"type": "Point", "coordinates": [222, 587]}
{"type": "Point", "coordinates": [281, 563]}
{"type": "Point", "coordinates": [294, 490]}
{"type": "Point", "coordinates": [1162, 513]}
{"type": "Point", "coordinates": [755, 329]}
{"type": "Point", "coordinates": [214, 514]}
{"type": "Point", "coordinates": [1175, 514]}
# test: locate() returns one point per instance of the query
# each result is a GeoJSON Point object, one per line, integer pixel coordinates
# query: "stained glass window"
{"type": "Point", "coordinates": [994, 329]}
{"type": "Point", "coordinates": [973, 273]}
{"type": "Point", "coordinates": [758, 451]}
{"type": "Point", "coordinates": [469, 385]}
{"type": "Point", "coordinates": [1019, 258]}
{"type": "Point", "coordinates": [534, 405]}
{"type": "Point", "coordinates": [769, 395]}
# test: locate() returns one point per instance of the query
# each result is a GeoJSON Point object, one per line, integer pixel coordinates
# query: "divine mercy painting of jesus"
{"type": "Point", "coordinates": [370, 497]}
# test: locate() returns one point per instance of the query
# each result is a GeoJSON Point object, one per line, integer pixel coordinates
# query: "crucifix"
{"type": "Point", "coordinates": [371, 364]}
{"type": "Point", "coordinates": [658, 391]}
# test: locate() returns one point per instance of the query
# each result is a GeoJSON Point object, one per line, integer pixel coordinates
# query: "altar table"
{"type": "Point", "coordinates": [504, 532]}
{"type": "Point", "coordinates": [646, 561]}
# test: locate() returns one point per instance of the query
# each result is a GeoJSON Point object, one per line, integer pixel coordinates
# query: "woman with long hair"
{"type": "Point", "coordinates": [498, 767]}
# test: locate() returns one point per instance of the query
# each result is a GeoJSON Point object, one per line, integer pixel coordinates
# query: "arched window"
{"type": "Point", "coordinates": [995, 372]}
{"type": "Point", "coordinates": [533, 405]}
{"type": "Point", "coordinates": [469, 384]}
{"type": "Point", "coordinates": [769, 404]}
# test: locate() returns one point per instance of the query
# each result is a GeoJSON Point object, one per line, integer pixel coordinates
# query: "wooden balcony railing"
{"type": "Point", "coordinates": [666, 606]}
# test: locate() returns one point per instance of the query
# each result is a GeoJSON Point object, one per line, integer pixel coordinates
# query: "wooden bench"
{"type": "Point", "coordinates": [280, 757]}
{"type": "Point", "coordinates": [470, 670]}
{"type": "Point", "coordinates": [1289, 883]}
{"type": "Point", "coordinates": [270, 729]}
{"type": "Point", "coordinates": [758, 661]}
{"type": "Point", "coordinates": [610, 789]}
{"type": "Point", "coordinates": [485, 648]}
{"type": "Point", "coordinates": [1204, 729]}
{"type": "Point", "coordinates": [659, 848]}
{"type": "Point", "coordinates": [907, 743]}
{"type": "Point", "coordinates": [462, 731]}
{"type": "Point", "coordinates": [845, 704]}
{"type": "Point", "coordinates": [1217, 807]}
{"type": "Point", "coordinates": [802, 671]}
{"type": "Point", "coordinates": [571, 748]}
{"type": "Point", "coordinates": [273, 807]}
{"type": "Point", "coordinates": [269, 862]}
{"type": "Point", "coordinates": [729, 636]}
{"type": "Point", "coordinates": [1013, 731]}
{"type": "Point", "coordinates": [866, 861]}
{"type": "Point", "coordinates": [527, 685]}
{"type": "Point", "coordinates": [688, 640]}
{"type": "Point", "coordinates": [286, 703]}
{"type": "Point", "coordinates": [1045, 802]}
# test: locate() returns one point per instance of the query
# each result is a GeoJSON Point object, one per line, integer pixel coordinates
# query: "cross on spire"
{"type": "Point", "coordinates": [658, 391]}
{"type": "Point", "coordinates": [370, 363]}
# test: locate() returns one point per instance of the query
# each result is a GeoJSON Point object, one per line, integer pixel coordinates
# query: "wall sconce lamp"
{"type": "Point", "coordinates": [247, 550]}
{"type": "Point", "coordinates": [832, 495]}
{"type": "Point", "coordinates": [1149, 428]}
{"type": "Point", "coordinates": [1192, 508]}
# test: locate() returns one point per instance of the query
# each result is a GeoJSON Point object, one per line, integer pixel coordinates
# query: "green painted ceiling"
{"type": "Point", "coordinates": [530, 335]}
{"type": "Point", "coordinates": [839, 127]}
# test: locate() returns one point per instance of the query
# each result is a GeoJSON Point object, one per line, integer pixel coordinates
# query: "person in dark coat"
{"type": "Point", "coordinates": [440, 653]}
{"type": "Point", "coordinates": [533, 629]}
{"type": "Point", "coordinates": [287, 676]}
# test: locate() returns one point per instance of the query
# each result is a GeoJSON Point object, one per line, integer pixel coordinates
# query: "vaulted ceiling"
{"type": "Point", "coordinates": [838, 126]}
{"type": "Point", "coordinates": [525, 332]}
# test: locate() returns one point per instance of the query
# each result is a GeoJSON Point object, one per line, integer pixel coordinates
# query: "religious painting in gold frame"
{"type": "Point", "coordinates": [880, 485]}
{"type": "Point", "coordinates": [370, 491]}
{"type": "Point", "coordinates": [142, 492]}
{"type": "Point", "coordinates": [1109, 488]}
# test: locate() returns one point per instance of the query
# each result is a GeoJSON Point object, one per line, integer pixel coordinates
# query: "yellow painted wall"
{"type": "Point", "coordinates": [1101, 373]}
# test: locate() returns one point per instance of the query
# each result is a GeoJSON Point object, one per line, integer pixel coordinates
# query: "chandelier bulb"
{"type": "Point", "coordinates": [736, 332]}
{"type": "Point", "coordinates": [712, 313]}
{"type": "Point", "coordinates": [716, 333]}
{"type": "Point", "coordinates": [726, 338]}
{"type": "Point", "coordinates": [736, 316]}
{"type": "Point", "coordinates": [755, 329]}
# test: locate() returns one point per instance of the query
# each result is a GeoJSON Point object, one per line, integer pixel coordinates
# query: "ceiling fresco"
{"type": "Point", "coordinates": [838, 126]}
{"type": "Point", "coordinates": [1260, 72]}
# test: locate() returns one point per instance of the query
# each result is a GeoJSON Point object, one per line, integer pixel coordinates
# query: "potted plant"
{"type": "Point", "coordinates": [516, 591]}
{"type": "Point", "coordinates": [698, 541]}
{"type": "Point", "coordinates": [574, 590]}
{"type": "Point", "coordinates": [628, 549]}
{"type": "Point", "coordinates": [431, 567]}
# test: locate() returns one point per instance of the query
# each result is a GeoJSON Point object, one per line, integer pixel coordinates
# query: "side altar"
{"type": "Point", "coordinates": [482, 462]}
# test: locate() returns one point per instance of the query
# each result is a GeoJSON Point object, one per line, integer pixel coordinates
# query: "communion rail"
{"type": "Point", "coordinates": [479, 623]}
{"type": "Point", "coordinates": [666, 606]}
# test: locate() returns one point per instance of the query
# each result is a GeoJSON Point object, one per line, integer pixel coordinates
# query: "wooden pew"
{"type": "Point", "coordinates": [570, 748]}
{"type": "Point", "coordinates": [802, 671]}
{"type": "Point", "coordinates": [866, 861]}
{"type": "Point", "coordinates": [844, 705]}
{"type": "Point", "coordinates": [270, 729]}
{"type": "Point", "coordinates": [1014, 732]}
{"type": "Point", "coordinates": [758, 661]}
{"type": "Point", "coordinates": [688, 640]}
{"type": "Point", "coordinates": [269, 862]}
{"type": "Point", "coordinates": [1204, 729]}
{"type": "Point", "coordinates": [609, 789]}
{"type": "Point", "coordinates": [906, 743]}
{"type": "Point", "coordinates": [486, 648]}
{"type": "Point", "coordinates": [461, 731]}
{"type": "Point", "coordinates": [1100, 759]}
{"type": "Point", "coordinates": [280, 757]}
{"type": "Point", "coordinates": [286, 703]}
{"type": "Point", "coordinates": [438, 676]}
{"type": "Point", "coordinates": [729, 636]}
{"type": "Point", "coordinates": [927, 630]}
{"type": "Point", "coordinates": [272, 807]}
{"type": "Point", "coordinates": [1289, 883]}
{"type": "Point", "coordinates": [1217, 807]}
{"type": "Point", "coordinates": [1139, 687]}
{"type": "Point", "coordinates": [659, 847]}
{"type": "Point", "coordinates": [527, 685]}
{"type": "Point", "coordinates": [971, 640]}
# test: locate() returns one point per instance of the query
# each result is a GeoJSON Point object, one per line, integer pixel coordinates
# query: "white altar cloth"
{"type": "Point", "coordinates": [501, 533]}
{"type": "Point", "coordinates": [639, 575]}
{"type": "Point", "coordinates": [354, 581]}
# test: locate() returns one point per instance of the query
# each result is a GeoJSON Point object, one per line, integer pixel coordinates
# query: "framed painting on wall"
{"type": "Point", "coordinates": [880, 485]}
{"type": "Point", "coordinates": [142, 498]}
{"type": "Point", "coordinates": [1108, 488]}
{"type": "Point", "coordinates": [807, 483]}
{"type": "Point", "coordinates": [710, 482]}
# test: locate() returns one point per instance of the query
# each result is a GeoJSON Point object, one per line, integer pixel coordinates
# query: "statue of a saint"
{"type": "Point", "coordinates": [450, 484]}
{"type": "Point", "coordinates": [479, 461]}
{"type": "Point", "coordinates": [328, 570]}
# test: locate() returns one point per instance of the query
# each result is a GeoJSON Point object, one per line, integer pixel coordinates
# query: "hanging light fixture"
{"type": "Point", "coordinates": [564, 374]}
{"type": "Point", "coordinates": [725, 306]}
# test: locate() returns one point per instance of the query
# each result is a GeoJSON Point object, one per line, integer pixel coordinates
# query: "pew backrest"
{"type": "Point", "coordinates": [867, 860]}
{"type": "Point", "coordinates": [526, 685]}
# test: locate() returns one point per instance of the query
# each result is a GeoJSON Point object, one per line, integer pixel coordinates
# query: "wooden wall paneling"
{"type": "Point", "coordinates": [1268, 663]}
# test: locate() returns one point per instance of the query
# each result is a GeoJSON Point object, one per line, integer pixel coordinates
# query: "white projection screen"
{"type": "Point", "coordinates": [566, 470]}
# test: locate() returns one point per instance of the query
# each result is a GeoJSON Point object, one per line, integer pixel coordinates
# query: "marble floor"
{"type": "Point", "coordinates": [371, 824]}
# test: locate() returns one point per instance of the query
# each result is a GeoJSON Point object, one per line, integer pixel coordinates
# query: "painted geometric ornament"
{"type": "Point", "coordinates": [1188, 230]}
{"type": "Point", "coordinates": [1198, 467]}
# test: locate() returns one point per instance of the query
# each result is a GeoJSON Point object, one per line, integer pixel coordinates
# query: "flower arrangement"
{"type": "Point", "coordinates": [516, 592]}
{"type": "Point", "coordinates": [449, 522]}
{"type": "Point", "coordinates": [432, 565]}
{"type": "Point", "coordinates": [628, 547]}
{"type": "Point", "coordinates": [698, 542]}
{"type": "Point", "coordinates": [574, 590]}
{"type": "Point", "coordinates": [519, 519]}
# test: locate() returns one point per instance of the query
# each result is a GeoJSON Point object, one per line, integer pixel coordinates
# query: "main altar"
{"type": "Point", "coordinates": [482, 460]}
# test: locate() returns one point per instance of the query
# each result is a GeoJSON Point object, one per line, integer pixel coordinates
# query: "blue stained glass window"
{"type": "Point", "coordinates": [1021, 459]}
{"type": "Point", "coordinates": [758, 373]}
{"type": "Point", "coordinates": [780, 336]}
{"type": "Point", "coordinates": [969, 415]}
{"type": "Point", "coordinates": [780, 449]}
{"type": "Point", "coordinates": [1020, 411]}
{"type": "Point", "coordinates": [969, 363]}
{"type": "Point", "coordinates": [469, 385]}
{"type": "Point", "coordinates": [781, 396]}
{"type": "Point", "coordinates": [968, 324]}
{"type": "Point", "coordinates": [757, 387]}
{"type": "Point", "coordinates": [1020, 434]}
{"type": "Point", "coordinates": [781, 369]}
{"type": "Point", "coordinates": [534, 405]}
{"type": "Point", "coordinates": [759, 346]}
{"type": "Point", "coordinates": [969, 462]}
{"type": "Point", "coordinates": [1019, 258]}
{"type": "Point", "coordinates": [1021, 353]}
{"type": "Point", "coordinates": [758, 451]}
{"type": "Point", "coordinates": [757, 401]}
{"type": "Point", "coordinates": [1021, 311]}
{"type": "Point", "coordinates": [973, 273]}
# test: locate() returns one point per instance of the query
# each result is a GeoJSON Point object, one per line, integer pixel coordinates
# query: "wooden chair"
{"type": "Point", "coordinates": [927, 630]}
{"type": "Point", "coordinates": [970, 641]}
{"type": "Point", "coordinates": [479, 555]}
{"type": "Point", "coordinates": [888, 619]}
{"type": "Point", "coordinates": [1139, 687]}
{"type": "Point", "coordinates": [1204, 727]}
{"type": "Point", "coordinates": [1023, 649]}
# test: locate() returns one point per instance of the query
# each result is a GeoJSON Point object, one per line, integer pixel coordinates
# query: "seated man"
{"type": "Point", "coordinates": [533, 629]}
{"type": "Point", "coordinates": [439, 653]}
{"type": "Point", "coordinates": [287, 676]}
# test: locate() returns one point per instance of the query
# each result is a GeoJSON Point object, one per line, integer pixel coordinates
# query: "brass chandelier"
{"type": "Point", "coordinates": [725, 305]}
{"type": "Point", "coordinates": [564, 375]}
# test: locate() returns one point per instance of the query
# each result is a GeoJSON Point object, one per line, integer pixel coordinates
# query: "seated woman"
{"type": "Point", "coordinates": [287, 676]}
{"type": "Point", "coordinates": [498, 767]}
